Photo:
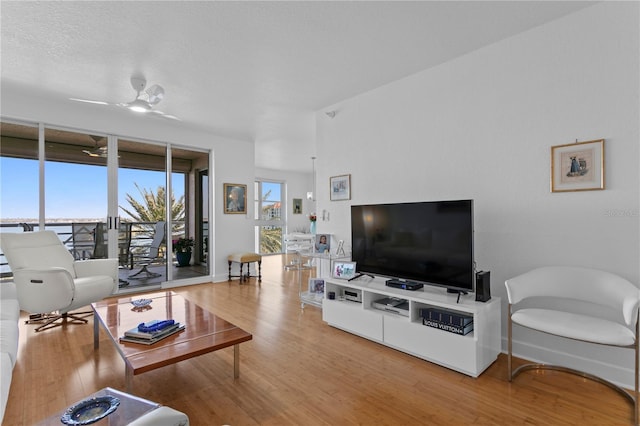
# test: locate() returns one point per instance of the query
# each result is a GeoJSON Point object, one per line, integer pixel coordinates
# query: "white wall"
{"type": "Point", "coordinates": [230, 233]}
{"type": "Point", "coordinates": [482, 127]}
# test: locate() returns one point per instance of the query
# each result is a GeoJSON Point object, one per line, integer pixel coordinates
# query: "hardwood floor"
{"type": "Point", "coordinates": [297, 370]}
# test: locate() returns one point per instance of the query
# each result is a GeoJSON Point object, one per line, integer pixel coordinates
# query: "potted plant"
{"type": "Point", "coordinates": [182, 248]}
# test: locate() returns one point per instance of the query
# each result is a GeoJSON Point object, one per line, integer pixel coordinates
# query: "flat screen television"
{"type": "Point", "coordinates": [425, 242]}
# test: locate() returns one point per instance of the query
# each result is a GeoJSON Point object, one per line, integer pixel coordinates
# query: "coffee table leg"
{"type": "Point", "coordinates": [128, 378]}
{"type": "Point", "coordinates": [236, 361]}
{"type": "Point", "coordinates": [96, 331]}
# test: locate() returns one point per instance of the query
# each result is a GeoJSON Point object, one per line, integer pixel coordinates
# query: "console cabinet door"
{"type": "Point", "coordinates": [350, 316]}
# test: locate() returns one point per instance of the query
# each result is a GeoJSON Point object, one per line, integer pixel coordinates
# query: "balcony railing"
{"type": "Point", "coordinates": [83, 242]}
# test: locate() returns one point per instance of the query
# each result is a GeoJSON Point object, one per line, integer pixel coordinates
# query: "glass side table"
{"type": "Point", "coordinates": [131, 408]}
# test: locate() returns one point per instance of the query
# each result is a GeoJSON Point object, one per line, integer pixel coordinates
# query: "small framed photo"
{"type": "Point", "coordinates": [235, 198]}
{"type": "Point", "coordinates": [343, 270]}
{"type": "Point", "coordinates": [340, 187]}
{"type": "Point", "coordinates": [297, 206]}
{"type": "Point", "coordinates": [577, 166]}
{"type": "Point", "coordinates": [316, 285]}
{"type": "Point", "coordinates": [322, 243]}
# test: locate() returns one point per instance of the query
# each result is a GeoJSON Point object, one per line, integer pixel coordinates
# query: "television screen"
{"type": "Point", "coordinates": [425, 242]}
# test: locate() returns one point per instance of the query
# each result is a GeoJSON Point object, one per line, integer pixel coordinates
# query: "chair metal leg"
{"type": "Point", "coordinates": [145, 271]}
{"type": "Point", "coordinates": [48, 321]}
{"type": "Point", "coordinates": [509, 343]}
{"type": "Point", "coordinates": [632, 398]}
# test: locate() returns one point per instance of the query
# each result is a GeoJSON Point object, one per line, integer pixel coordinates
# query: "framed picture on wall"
{"type": "Point", "coordinates": [235, 198]}
{"type": "Point", "coordinates": [340, 187]}
{"type": "Point", "coordinates": [577, 166]}
{"type": "Point", "coordinates": [297, 206]}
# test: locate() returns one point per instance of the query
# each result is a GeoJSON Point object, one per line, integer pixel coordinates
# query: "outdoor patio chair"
{"type": "Point", "coordinates": [144, 256]}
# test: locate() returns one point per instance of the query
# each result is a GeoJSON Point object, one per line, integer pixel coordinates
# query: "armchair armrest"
{"type": "Point", "coordinates": [87, 268]}
{"type": "Point", "coordinates": [44, 290]}
{"type": "Point", "coordinates": [162, 416]}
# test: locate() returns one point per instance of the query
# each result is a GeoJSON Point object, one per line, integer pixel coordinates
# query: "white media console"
{"type": "Point", "coordinates": [470, 354]}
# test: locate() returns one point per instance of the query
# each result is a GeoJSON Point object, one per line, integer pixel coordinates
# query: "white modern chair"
{"type": "Point", "coordinates": [49, 283]}
{"type": "Point", "coordinates": [577, 303]}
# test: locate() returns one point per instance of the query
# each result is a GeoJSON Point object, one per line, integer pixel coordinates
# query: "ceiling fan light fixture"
{"type": "Point", "coordinates": [155, 93]}
{"type": "Point", "coordinates": [139, 106]}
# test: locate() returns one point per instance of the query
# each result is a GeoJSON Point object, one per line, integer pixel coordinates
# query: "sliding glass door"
{"type": "Point", "coordinates": [75, 172]}
{"type": "Point", "coordinates": [108, 197]}
{"type": "Point", "coordinates": [142, 212]}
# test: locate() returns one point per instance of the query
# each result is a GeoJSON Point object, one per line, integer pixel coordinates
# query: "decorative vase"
{"type": "Point", "coordinates": [312, 227]}
{"type": "Point", "coordinates": [183, 257]}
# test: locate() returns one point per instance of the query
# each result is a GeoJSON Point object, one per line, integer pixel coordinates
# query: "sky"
{"type": "Point", "coordinates": [71, 190]}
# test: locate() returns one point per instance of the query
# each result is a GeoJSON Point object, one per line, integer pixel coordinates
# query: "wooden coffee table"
{"type": "Point", "coordinates": [204, 332]}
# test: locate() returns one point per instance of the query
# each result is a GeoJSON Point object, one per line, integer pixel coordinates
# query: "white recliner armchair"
{"type": "Point", "coordinates": [48, 279]}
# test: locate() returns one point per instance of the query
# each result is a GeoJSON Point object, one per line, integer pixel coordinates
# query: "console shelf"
{"type": "Point", "coordinates": [470, 354]}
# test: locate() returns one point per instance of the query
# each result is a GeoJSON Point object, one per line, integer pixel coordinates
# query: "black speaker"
{"type": "Point", "coordinates": [483, 286]}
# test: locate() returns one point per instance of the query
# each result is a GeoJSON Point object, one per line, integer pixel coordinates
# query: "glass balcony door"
{"type": "Point", "coordinates": [76, 180]}
{"type": "Point", "coordinates": [107, 197]}
{"type": "Point", "coordinates": [142, 212]}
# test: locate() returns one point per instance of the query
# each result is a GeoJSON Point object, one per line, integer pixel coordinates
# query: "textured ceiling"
{"type": "Point", "coordinates": [251, 70]}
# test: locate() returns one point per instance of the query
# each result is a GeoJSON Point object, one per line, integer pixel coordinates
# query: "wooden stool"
{"type": "Point", "coordinates": [247, 258]}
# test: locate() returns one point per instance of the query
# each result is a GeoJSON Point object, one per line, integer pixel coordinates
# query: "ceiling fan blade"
{"type": "Point", "coordinates": [89, 101]}
{"type": "Point", "coordinates": [162, 114]}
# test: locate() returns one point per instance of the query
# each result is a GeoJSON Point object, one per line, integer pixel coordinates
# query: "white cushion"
{"type": "Point", "coordinates": [89, 290]}
{"type": "Point", "coordinates": [36, 249]}
{"type": "Point", "coordinates": [577, 283]}
{"type": "Point", "coordinates": [9, 310]}
{"type": "Point", "coordinates": [6, 367]}
{"type": "Point", "coordinates": [575, 326]}
{"type": "Point", "coordinates": [8, 291]}
{"type": "Point", "coordinates": [162, 416]}
{"type": "Point", "coordinates": [9, 339]}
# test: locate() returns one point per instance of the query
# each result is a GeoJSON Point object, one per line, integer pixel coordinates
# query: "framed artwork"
{"type": "Point", "coordinates": [340, 187]}
{"type": "Point", "coordinates": [297, 206]}
{"type": "Point", "coordinates": [343, 270]}
{"type": "Point", "coordinates": [235, 198]}
{"type": "Point", "coordinates": [577, 166]}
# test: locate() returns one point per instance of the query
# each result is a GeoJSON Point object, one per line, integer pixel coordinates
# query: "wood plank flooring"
{"type": "Point", "coordinates": [298, 371]}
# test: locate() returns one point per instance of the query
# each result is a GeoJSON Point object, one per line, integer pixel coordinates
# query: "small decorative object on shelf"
{"type": "Point", "coordinates": [141, 305]}
{"type": "Point", "coordinates": [182, 248]}
{"type": "Point", "coordinates": [313, 218]}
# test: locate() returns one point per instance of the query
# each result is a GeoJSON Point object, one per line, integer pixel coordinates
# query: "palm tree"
{"type": "Point", "coordinates": [152, 208]}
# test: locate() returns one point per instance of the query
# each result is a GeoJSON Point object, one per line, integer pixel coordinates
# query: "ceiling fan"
{"type": "Point", "coordinates": [144, 101]}
{"type": "Point", "coordinates": [98, 151]}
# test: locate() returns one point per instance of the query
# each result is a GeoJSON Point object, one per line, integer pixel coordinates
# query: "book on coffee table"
{"type": "Point", "coordinates": [148, 338]}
